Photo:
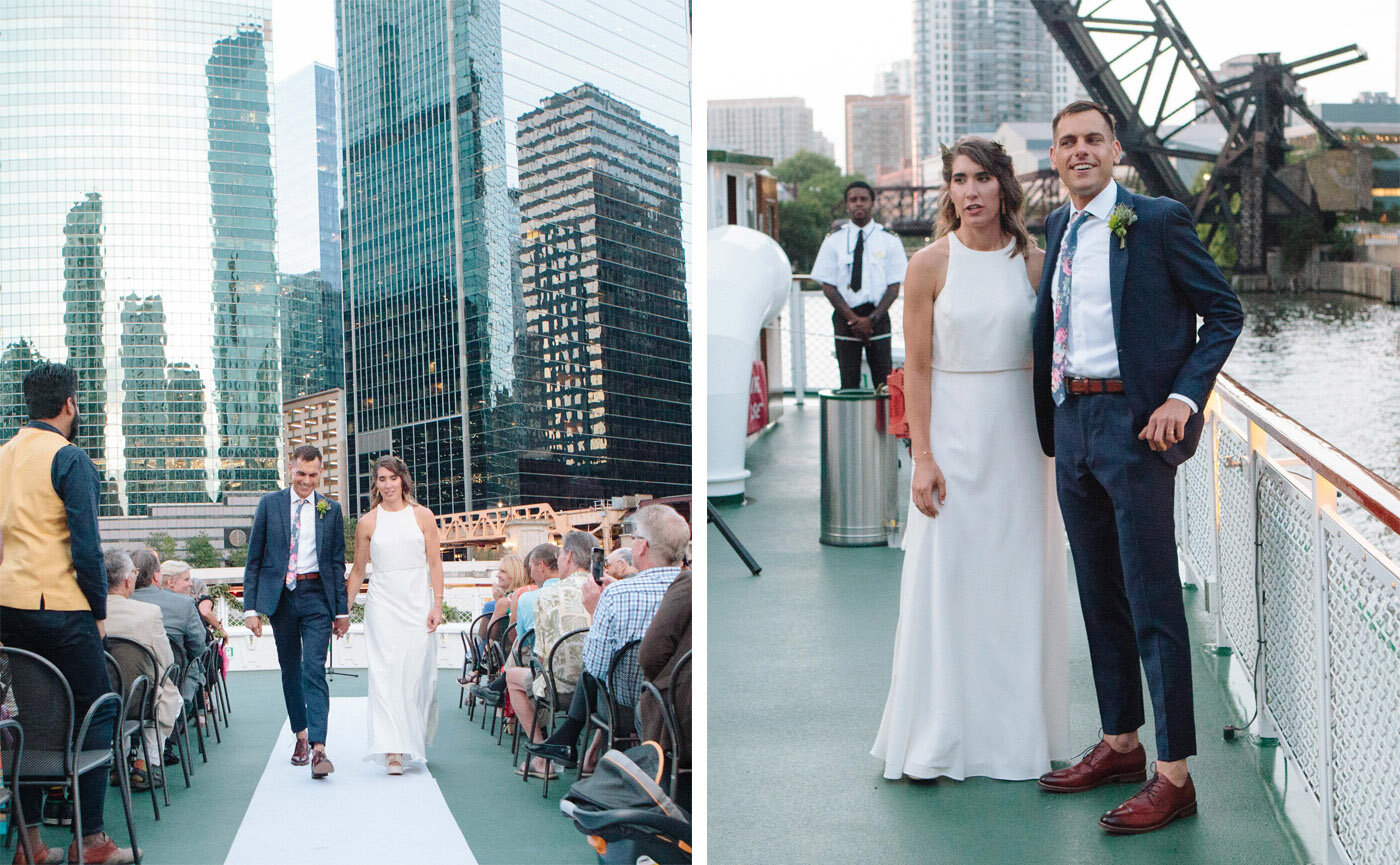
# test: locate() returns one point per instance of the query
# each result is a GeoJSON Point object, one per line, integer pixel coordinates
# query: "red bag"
{"type": "Point", "coordinates": [899, 424]}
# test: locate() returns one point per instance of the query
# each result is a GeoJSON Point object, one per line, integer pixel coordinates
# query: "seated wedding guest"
{"type": "Point", "coordinates": [542, 564]}
{"type": "Point", "coordinates": [544, 567]}
{"type": "Point", "coordinates": [53, 584]}
{"type": "Point", "coordinates": [558, 610]}
{"type": "Point", "coordinates": [619, 564]}
{"type": "Point", "coordinates": [182, 625]}
{"type": "Point", "coordinates": [141, 622]}
{"type": "Point", "coordinates": [666, 640]}
{"type": "Point", "coordinates": [517, 578]}
{"type": "Point", "coordinates": [622, 613]}
{"type": "Point", "coordinates": [147, 565]}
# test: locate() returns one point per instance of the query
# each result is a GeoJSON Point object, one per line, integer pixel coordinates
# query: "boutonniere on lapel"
{"type": "Point", "coordinates": [322, 508]}
{"type": "Point", "coordinates": [1118, 222]}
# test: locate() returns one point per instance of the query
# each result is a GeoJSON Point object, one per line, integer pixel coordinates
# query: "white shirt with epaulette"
{"type": "Point", "coordinates": [882, 262]}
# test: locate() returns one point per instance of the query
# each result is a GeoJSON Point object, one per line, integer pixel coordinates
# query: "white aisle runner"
{"type": "Point", "coordinates": [357, 815]}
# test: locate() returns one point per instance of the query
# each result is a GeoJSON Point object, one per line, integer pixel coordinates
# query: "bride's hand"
{"type": "Point", "coordinates": [434, 619]}
{"type": "Point", "coordinates": [930, 489]}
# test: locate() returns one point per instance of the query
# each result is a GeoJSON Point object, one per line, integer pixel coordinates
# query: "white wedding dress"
{"type": "Point", "coordinates": [403, 706]}
{"type": "Point", "coordinates": [980, 678]}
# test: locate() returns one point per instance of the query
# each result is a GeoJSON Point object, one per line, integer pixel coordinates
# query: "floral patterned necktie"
{"type": "Point", "coordinates": [292, 556]}
{"type": "Point", "coordinates": [1061, 344]}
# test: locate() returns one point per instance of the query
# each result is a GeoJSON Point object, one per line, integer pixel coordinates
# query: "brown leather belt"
{"type": "Point", "coordinates": [314, 575]}
{"type": "Point", "coordinates": [1087, 386]}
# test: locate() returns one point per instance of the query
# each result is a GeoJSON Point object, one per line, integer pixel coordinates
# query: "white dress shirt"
{"type": "Point", "coordinates": [306, 533]}
{"type": "Point", "coordinates": [1093, 350]}
{"type": "Point", "coordinates": [882, 262]}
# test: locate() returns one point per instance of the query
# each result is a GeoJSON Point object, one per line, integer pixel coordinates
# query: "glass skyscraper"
{"type": "Point", "coordinates": [137, 239]}
{"type": "Point", "coordinates": [307, 150]}
{"type": "Point", "coordinates": [516, 199]}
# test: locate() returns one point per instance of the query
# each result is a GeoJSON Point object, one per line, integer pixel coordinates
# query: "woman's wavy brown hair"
{"type": "Point", "coordinates": [991, 156]}
{"type": "Point", "coordinates": [395, 465]}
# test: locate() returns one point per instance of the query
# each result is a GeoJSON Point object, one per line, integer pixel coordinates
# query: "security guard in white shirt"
{"type": "Point", "coordinates": [860, 267]}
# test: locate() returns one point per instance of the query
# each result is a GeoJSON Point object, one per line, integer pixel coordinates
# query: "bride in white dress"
{"type": "Point", "coordinates": [403, 610]}
{"type": "Point", "coordinates": [980, 676]}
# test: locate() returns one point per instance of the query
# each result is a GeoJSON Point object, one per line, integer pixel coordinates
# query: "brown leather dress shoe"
{"type": "Point", "coordinates": [321, 765]}
{"type": "Point", "coordinates": [302, 754]}
{"type": "Point", "coordinates": [1158, 803]}
{"type": "Point", "coordinates": [1102, 765]}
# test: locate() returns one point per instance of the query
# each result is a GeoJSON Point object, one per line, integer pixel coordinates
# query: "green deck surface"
{"type": "Point", "coordinates": [799, 672]}
{"type": "Point", "coordinates": [503, 819]}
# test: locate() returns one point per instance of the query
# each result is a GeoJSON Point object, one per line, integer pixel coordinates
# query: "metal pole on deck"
{"type": "Point", "coordinates": [798, 333]}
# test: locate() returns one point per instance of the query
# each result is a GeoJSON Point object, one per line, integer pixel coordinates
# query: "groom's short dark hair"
{"type": "Point", "coordinates": [306, 453]}
{"type": "Point", "coordinates": [1079, 108]}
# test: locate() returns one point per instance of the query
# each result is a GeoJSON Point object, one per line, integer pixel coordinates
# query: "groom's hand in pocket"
{"type": "Point", "coordinates": [1167, 425]}
{"type": "Point", "coordinates": [930, 488]}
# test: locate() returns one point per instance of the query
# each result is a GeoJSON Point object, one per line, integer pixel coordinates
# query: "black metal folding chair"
{"type": "Point", "coordinates": [54, 757]}
{"type": "Point", "coordinates": [613, 702]}
{"type": "Point", "coordinates": [519, 652]}
{"type": "Point", "coordinates": [12, 759]}
{"type": "Point", "coordinates": [126, 668]}
{"type": "Point", "coordinates": [559, 692]}
{"type": "Point", "coordinates": [477, 647]}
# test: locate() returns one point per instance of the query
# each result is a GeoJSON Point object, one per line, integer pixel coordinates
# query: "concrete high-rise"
{"type": "Point", "coordinates": [878, 135]}
{"type": "Point", "coordinates": [776, 128]}
{"type": "Point", "coordinates": [137, 239]}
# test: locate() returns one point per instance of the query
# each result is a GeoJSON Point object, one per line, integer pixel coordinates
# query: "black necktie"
{"type": "Point", "coordinates": [856, 261]}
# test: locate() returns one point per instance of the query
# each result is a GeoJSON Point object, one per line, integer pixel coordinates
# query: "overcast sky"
{"type": "Point", "coordinates": [303, 32]}
{"type": "Point", "coordinates": [751, 48]}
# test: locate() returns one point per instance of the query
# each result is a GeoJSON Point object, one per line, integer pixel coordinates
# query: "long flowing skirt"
{"type": "Point", "coordinates": [980, 678]}
{"type": "Point", "coordinates": [403, 705]}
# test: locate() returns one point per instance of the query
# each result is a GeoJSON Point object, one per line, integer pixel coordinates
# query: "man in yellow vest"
{"type": "Point", "coordinates": [53, 584]}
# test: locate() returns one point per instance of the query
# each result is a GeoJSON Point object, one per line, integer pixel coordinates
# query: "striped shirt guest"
{"type": "Point", "coordinates": [622, 610]}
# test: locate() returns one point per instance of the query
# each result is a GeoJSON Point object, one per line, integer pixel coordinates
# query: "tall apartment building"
{"type": "Point", "coordinates": [777, 128]}
{"type": "Point", "coordinates": [878, 135]}
{"type": "Point", "coordinates": [137, 234]}
{"type": "Point", "coordinates": [977, 65]}
{"type": "Point", "coordinates": [444, 366]}
{"type": "Point", "coordinates": [898, 77]}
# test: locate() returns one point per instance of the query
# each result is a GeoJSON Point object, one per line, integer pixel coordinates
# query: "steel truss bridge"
{"type": "Point", "coordinates": [1155, 78]}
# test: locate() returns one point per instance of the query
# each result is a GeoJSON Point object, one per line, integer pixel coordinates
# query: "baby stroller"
{"type": "Point", "coordinates": [624, 812]}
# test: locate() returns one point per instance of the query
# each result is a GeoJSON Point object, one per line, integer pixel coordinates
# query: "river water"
{"type": "Point", "coordinates": [1332, 362]}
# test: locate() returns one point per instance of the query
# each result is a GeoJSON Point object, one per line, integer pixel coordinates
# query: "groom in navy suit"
{"type": "Point", "coordinates": [296, 577]}
{"type": "Point", "coordinates": [1121, 376]}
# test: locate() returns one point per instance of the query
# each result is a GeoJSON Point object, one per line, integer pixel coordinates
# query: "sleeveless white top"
{"type": "Point", "coordinates": [397, 542]}
{"type": "Point", "coordinates": [983, 316]}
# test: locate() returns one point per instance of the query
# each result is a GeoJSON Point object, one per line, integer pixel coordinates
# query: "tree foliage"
{"type": "Point", "coordinates": [163, 544]}
{"type": "Point", "coordinates": [806, 220]}
{"type": "Point", "coordinates": [237, 557]}
{"type": "Point", "coordinates": [200, 552]}
{"type": "Point", "coordinates": [350, 523]}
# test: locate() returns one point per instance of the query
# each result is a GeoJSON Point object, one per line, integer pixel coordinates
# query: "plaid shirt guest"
{"type": "Point", "coordinates": [623, 614]}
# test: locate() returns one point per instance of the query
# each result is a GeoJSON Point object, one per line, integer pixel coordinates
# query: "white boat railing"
{"type": "Point", "coordinates": [1307, 603]}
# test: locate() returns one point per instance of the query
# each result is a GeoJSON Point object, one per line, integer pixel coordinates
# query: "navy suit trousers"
{"type": "Point", "coordinates": [1116, 497]}
{"type": "Point", "coordinates": [301, 628]}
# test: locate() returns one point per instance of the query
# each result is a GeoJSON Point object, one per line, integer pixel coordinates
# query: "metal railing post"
{"type": "Point", "coordinates": [1324, 496]}
{"type": "Point", "coordinates": [798, 316]}
{"type": "Point", "coordinates": [1265, 731]}
{"type": "Point", "coordinates": [1221, 646]}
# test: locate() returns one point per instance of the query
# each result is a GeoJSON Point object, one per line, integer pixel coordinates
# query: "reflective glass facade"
{"type": "Point", "coordinates": [517, 197]}
{"type": "Point", "coordinates": [137, 238]}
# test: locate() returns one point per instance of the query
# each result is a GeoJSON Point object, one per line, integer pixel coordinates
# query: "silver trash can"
{"type": "Point", "coordinates": [859, 502]}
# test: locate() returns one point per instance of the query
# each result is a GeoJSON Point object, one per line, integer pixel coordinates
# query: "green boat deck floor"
{"type": "Point", "coordinates": [798, 674]}
{"type": "Point", "coordinates": [503, 819]}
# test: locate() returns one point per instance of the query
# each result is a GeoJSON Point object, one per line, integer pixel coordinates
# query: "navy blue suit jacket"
{"type": "Point", "coordinates": [270, 547]}
{"type": "Point", "coordinates": [1159, 282]}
